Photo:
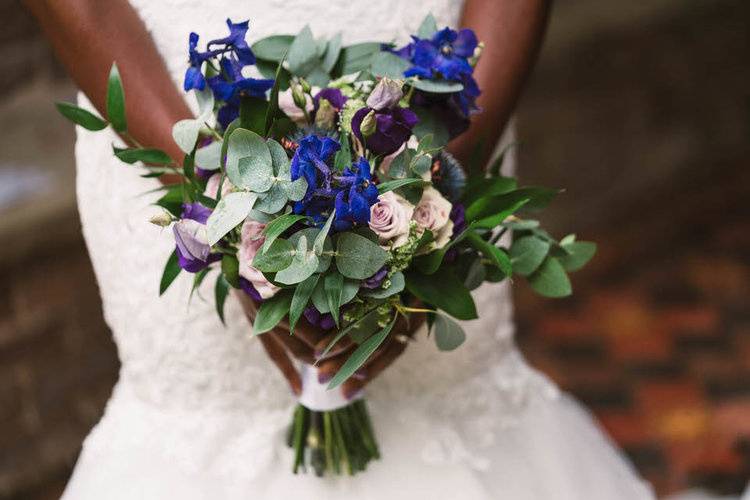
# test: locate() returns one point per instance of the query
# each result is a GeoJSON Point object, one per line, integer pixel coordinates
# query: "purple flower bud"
{"type": "Point", "coordinates": [393, 127]}
{"type": "Point", "coordinates": [386, 94]}
{"type": "Point", "coordinates": [376, 279]}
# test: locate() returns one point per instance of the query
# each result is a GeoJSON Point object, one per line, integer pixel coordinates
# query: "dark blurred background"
{"type": "Point", "coordinates": [640, 110]}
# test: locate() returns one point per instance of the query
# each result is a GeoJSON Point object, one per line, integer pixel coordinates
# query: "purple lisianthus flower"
{"type": "Point", "coordinates": [249, 289]}
{"type": "Point", "coordinates": [312, 160]}
{"type": "Point", "coordinates": [315, 318]}
{"type": "Point", "coordinates": [393, 127]}
{"type": "Point", "coordinates": [333, 96]}
{"type": "Point", "coordinates": [193, 251]}
{"type": "Point", "coordinates": [376, 279]}
{"type": "Point", "coordinates": [356, 195]}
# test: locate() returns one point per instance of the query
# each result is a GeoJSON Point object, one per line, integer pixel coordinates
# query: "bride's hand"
{"type": "Point", "coordinates": [308, 342]}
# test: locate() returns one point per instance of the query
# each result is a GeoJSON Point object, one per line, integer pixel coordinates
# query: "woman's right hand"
{"type": "Point", "coordinates": [307, 342]}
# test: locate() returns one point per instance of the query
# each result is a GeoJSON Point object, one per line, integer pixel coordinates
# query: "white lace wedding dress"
{"type": "Point", "coordinates": [199, 412]}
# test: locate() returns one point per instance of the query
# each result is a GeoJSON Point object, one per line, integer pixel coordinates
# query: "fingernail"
{"type": "Point", "coordinates": [324, 377]}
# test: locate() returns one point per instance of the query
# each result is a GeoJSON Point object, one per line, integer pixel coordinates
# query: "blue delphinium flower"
{"type": "Point", "coordinates": [233, 54]}
{"type": "Point", "coordinates": [313, 161]}
{"type": "Point", "coordinates": [446, 55]}
{"type": "Point", "coordinates": [356, 194]}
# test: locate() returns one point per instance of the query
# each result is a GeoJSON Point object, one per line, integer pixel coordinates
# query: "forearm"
{"type": "Point", "coordinates": [512, 31]}
{"type": "Point", "coordinates": [88, 36]}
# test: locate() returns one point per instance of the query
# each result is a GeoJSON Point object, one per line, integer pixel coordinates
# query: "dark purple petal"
{"type": "Point", "coordinates": [249, 289]}
{"type": "Point", "coordinates": [192, 265]}
{"type": "Point", "coordinates": [196, 212]}
{"type": "Point", "coordinates": [376, 279]}
{"type": "Point", "coordinates": [333, 96]}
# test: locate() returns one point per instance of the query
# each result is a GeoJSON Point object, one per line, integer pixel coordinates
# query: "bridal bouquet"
{"type": "Point", "coordinates": [316, 181]}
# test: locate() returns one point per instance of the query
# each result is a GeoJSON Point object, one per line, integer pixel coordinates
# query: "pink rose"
{"type": "Point", "coordinates": [251, 241]}
{"type": "Point", "coordinates": [389, 219]}
{"type": "Point", "coordinates": [433, 213]}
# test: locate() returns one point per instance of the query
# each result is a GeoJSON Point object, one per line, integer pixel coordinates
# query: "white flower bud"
{"type": "Point", "coordinates": [162, 219]}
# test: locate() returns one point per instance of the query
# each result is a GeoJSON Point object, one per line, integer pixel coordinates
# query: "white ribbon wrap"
{"type": "Point", "coordinates": [315, 396]}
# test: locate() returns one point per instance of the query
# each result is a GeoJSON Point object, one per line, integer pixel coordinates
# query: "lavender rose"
{"type": "Point", "coordinates": [389, 219]}
{"type": "Point", "coordinates": [433, 213]}
{"type": "Point", "coordinates": [251, 241]}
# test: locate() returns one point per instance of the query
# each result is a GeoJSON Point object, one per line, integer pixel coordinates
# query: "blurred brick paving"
{"type": "Point", "coordinates": [656, 340]}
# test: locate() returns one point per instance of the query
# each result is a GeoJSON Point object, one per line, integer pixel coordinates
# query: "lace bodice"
{"type": "Point", "coordinates": [176, 355]}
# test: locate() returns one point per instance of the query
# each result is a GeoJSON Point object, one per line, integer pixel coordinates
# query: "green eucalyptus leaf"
{"type": "Point", "coordinates": [277, 257]}
{"type": "Point", "coordinates": [279, 159]}
{"type": "Point", "coordinates": [482, 187]}
{"type": "Point", "coordinates": [550, 280]}
{"type": "Point", "coordinates": [304, 263]}
{"type": "Point", "coordinates": [357, 257]}
{"type": "Point", "coordinates": [323, 234]}
{"type": "Point", "coordinates": [295, 190]}
{"type": "Point", "coordinates": [272, 48]}
{"type": "Point", "coordinates": [428, 27]}
{"type": "Point", "coordinates": [476, 274]}
{"type": "Point", "coordinates": [343, 157]}
{"type": "Point", "coordinates": [332, 53]}
{"type": "Point", "coordinates": [430, 123]}
{"type": "Point", "coordinates": [386, 64]}
{"type": "Point", "coordinates": [580, 253]}
{"type": "Point", "coordinates": [185, 133]}
{"type": "Point", "coordinates": [234, 125]}
{"type": "Point", "coordinates": [249, 163]}
{"type": "Point", "coordinates": [116, 101]}
{"type": "Point", "coordinates": [430, 263]}
{"type": "Point", "coordinates": [437, 86]}
{"type": "Point", "coordinates": [171, 270]}
{"type": "Point", "coordinates": [272, 311]}
{"type": "Point", "coordinates": [447, 293]}
{"type": "Point", "coordinates": [253, 112]}
{"type": "Point", "coordinates": [356, 57]}
{"type": "Point", "coordinates": [276, 227]}
{"type": "Point", "coordinates": [302, 55]}
{"type": "Point", "coordinates": [311, 233]}
{"type": "Point", "coordinates": [273, 200]}
{"type": "Point", "coordinates": [527, 254]}
{"type": "Point", "coordinates": [448, 334]}
{"type": "Point", "coordinates": [229, 213]}
{"type": "Point", "coordinates": [80, 116]}
{"type": "Point", "coordinates": [360, 356]}
{"type": "Point", "coordinates": [302, 294]}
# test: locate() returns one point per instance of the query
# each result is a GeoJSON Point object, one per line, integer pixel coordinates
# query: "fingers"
{"type": "Point", "coordinates": [379, 362]}
{"type": "Point", "coordinates": [278, 355]}
{"type": "Point", "coordinates": [295, 346]}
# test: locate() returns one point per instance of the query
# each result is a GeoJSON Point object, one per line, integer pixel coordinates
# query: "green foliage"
{"type": "Point", "coordinates": [312, 233]}
{"type": "Point", "coordinates": [430, 263]}
{"type": "Point", "coordinates": [448, 334]}
{"type": "Point", "coordinates": [302, 55]}
{"type": "Point", "coordinates": [81, 117]}
{"type": "Point", "coordinates": [343, 157]}
{"type": "Point", "coordinates": [428, 27]}
{"type": "Point", "coordinates": [384, 187]}
{"type": "Point", "coordinates": [429, 123]}
{"type": "Point", "coordinates": [333, 50]}
{"type": "Point", "coordinates": [348, 292]}
{"type": "Point", "coordinates": [272, 48]}
{"type": "Point", "coordinates": [230, 267]}
{"type": "Point", "coordinates": [231, 210]}
{"type": "Point", "coordinates": [527, 254]}
{"type": "Point", "coordinates": [276, 228]}
{"type": "Point", "coordinates": [116, 101]}
{"type": "Point", "coordinates": [360, 356]}
{"type": "Point", "coordinates": [253, 113]}
{"type": "Point", "coordinates": [386, 64]}
{"type": "Point", "coordinates": [482, 187]}
{"type": "Point", "coordinates": [436, 86]}
{"type": "Point", "coordinates": [221, 290]}
{"type": "Point", "coordinates": [356, 58]}
{"type": "Point", "coordinates": [301, 297]}
{"type": "Point", "coordinates": [550, 279]}
{"type": "Point", "coordinates": [272, 311]}
{"type": "Point", "coordinates": [148, 156]}
{"type": "Point", "coordinates": [495, 255]}
{"type": "Point", "coordinates": [276, 257]}
{"type": "Point", "coordinates": [333, 285]}
{"type": "Point", "coordinates": [304, 263]}
{"type": "Point", "coordinates": [249, 163]}
{"type": "Point", "coordinates": [357, 257]}
{"type": "Point", "coordinates": [445, 292]}
{"type": "Point", "coordinates": [579, 254]}
{"type": "Point", "coordinates": [171, 201]}
{"type": "Point", "coordinates": [171, 270]}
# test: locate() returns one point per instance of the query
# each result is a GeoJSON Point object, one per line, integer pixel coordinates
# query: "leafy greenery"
{"type": "Point", "coordinates": [448, 334]}
{"type": "Point", "coordinates": [149, 156]}
{"type": "Point", "coordinates": [302, 294]}
{"type": "Point", "coordinates": [550, 279]}
{"type": "Point", "coordinates": [580, 253]}
{"type": "Point", "coordinates": [81, 117]}
{"type": "Point", "coordinates": [231, 210]}
{"type": "Point", "coordinates": [221, 290]}
{"type": "Point", "coordinates": [357, 257]}
{"type": "Point", "coordinates": [116, 101]}
{"type": "Point", "coordinates": [446, 292]}
{"type": "Point", "coordinates": [171, 270]}
{"type": "Point", "coordinates": [272, 311]}
{"type": "Point", "coordinates": [527, 254]}
{"type": "Point", "coordinates": [360, 356]}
